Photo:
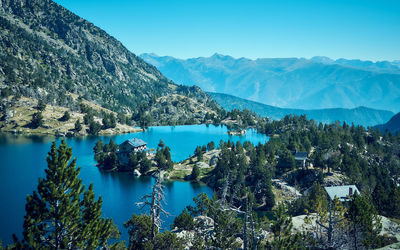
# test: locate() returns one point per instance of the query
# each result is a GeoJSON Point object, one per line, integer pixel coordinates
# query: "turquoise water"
{"type": "Point", "coordinates": [23, 160]}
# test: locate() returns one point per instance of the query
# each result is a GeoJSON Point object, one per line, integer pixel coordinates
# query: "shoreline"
{"type": "Point", "coordinates": [69, 134]}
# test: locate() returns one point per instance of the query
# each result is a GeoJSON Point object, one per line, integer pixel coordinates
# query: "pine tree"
{"type": "Point", "coordinates": [56, 215]}
{"type": "Point", "coordinates": [94, 128]}
{"type": "Point", "coordinates": [364, 223]}
{"type": "Point", "coordinates": [37, 120]}
{"type": "Point", "coordinates": [281, 228]}
{"type": "Point", "coordinates": [195, 173]}
{"type": "Point", "coordinates": [66, 116]}
{"type": "Point", "coordinates": [78, 125]}
{"type": "Point", "coordinates": [41, 106]}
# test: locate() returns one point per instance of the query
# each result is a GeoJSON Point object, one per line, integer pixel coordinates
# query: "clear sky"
{"type": "Point", "coordinates": [362, 29]}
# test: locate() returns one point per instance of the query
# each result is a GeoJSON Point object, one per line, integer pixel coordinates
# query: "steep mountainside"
{"type": "Point", "coordinates": [291, 82]}
{"type": "Point", "coordinates": [48, 52]}
{"type": "Point", "coordinates": [359, 116]}
{"type": "Point", "coordinates": [393, 125]}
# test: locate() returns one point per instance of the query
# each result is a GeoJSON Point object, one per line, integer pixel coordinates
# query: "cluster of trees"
{"type": "Point", "coordinates": [163, 157]}
{"type": "Point", "coordinates": [138, 161]}
{"type": "Point", "coordinates": [200, 150]}
{"type": "Point", "coordinates": [62, 214]}
{"type": "Point", "coordinates": [106, 155]}
{"type": "Point", "coordinates": [354, 224]}
{"type": "Point", "coordinates": [234, 173]}
{"type": "Point", "coordinates": [369, 159]}
{"type": "Point", "coordinates": [108, 119]}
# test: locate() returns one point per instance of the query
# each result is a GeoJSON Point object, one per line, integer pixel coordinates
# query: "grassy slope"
{"type": "Point", "coordinates": [24, 108]}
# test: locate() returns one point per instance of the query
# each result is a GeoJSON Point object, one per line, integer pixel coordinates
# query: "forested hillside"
{"type": "Point", "coordinates": [47, 53]}
{"type": "Point", "coordinates": [359, 116]}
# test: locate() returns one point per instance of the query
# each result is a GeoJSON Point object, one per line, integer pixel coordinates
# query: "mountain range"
{"type": "Point", "coordinates": [316, 83]}
{"type": "Point", "coordinates": [359, 116]}
{"type": "Point", "coordinates": [49, 53]}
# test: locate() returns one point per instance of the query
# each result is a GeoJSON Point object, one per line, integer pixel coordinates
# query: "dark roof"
{"type": "Point", "coordinates": [135, 142]}
{"type": "Point", "coordinates": [300, 155]}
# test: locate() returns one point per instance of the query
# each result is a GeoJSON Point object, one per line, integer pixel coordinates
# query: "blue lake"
{"type": "Point", "coordinates": [23, 160]}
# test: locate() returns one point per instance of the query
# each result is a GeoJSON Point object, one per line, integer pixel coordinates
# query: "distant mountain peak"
{"type": "Point", "coordinates": [216, 54]}
{"type": "Point", "coordinates": [322, 59]}
{"type": "Point", "coordinates": [221, 57]}
{"type": "Point", "coordinates": [149, 55]}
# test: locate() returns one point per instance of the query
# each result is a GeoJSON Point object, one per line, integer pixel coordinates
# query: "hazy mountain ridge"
{"type": "Point", "coordinates": [359, 116]}
{"type": "Point", "coordinates": [290, 82]}
{"type": "Point", "coordinates": [393, 125]}
{"type": "Point", "coordinates": [47, 52]}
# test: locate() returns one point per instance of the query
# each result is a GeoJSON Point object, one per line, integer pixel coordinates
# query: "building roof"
{"type": "Point", "coordinates": [135, 142]}
{"type": "Point", "coordinates": [300, 156]}
{"type": "Point", "coordinates": [342, 192]}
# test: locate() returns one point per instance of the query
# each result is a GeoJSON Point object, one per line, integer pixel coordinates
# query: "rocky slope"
{"type": "Point", "coordinates": [48, 52]}
{"type": "Point", "coordinates": [19, 114]}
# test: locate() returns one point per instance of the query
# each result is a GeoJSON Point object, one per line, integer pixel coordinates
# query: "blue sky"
{"type": "Point", "coordinates": [364, 29]}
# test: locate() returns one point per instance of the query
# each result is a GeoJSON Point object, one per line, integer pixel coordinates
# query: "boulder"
{"type": "Point", "coordinates": [336, 179]}
{"type": "Point", "coordinates": [136, 172]}
{"type": "Point", "coordinates": [202, 165]}
{"type": "Point", "coordinates": [205, 224]}
{"type": "Point", "coordinates": [213, 160]}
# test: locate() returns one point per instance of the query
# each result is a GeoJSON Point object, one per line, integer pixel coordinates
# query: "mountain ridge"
{"type": "Point", "coordinates": [359, 116]}
{"type": "Point", "coordinates": [290, 82]}
{"type": "Point", "coordinates": [393, 125]}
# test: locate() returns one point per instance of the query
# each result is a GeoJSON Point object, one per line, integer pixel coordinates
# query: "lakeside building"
{"type": "Point", "coordinates": [134, 145]}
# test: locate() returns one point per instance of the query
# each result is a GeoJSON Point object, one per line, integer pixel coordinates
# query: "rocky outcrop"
{"type": "Point", "coordinates": [204, 228]}
{"type": "Point", "coordinates": [336, 179]}
{"type": "Point", "coordinates": [289, 192]}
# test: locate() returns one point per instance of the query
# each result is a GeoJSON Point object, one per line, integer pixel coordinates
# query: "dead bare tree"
{"type": "Point", "coordinates": [155, 201]}
{"type": "Point", "coordinates": [246, 209]}
{"type": "Point", "coordinates": [335, 217]}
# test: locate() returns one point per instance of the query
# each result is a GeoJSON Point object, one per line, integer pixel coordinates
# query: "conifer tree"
{"type": "Point", "coordinates": [281, 228]}
{"type": "Point", "coordinates": [56, 215]}
{"type": "Point", "coordinates": [41, 105]}
{"type": "Point", "coordinates": [37, 120]}
{"type": "Point", "coordinates": [364, 223]}
{"type": "Point", "coordinates": [78, 125]}
{"type": "Point", "coordinates": [195, 172]}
